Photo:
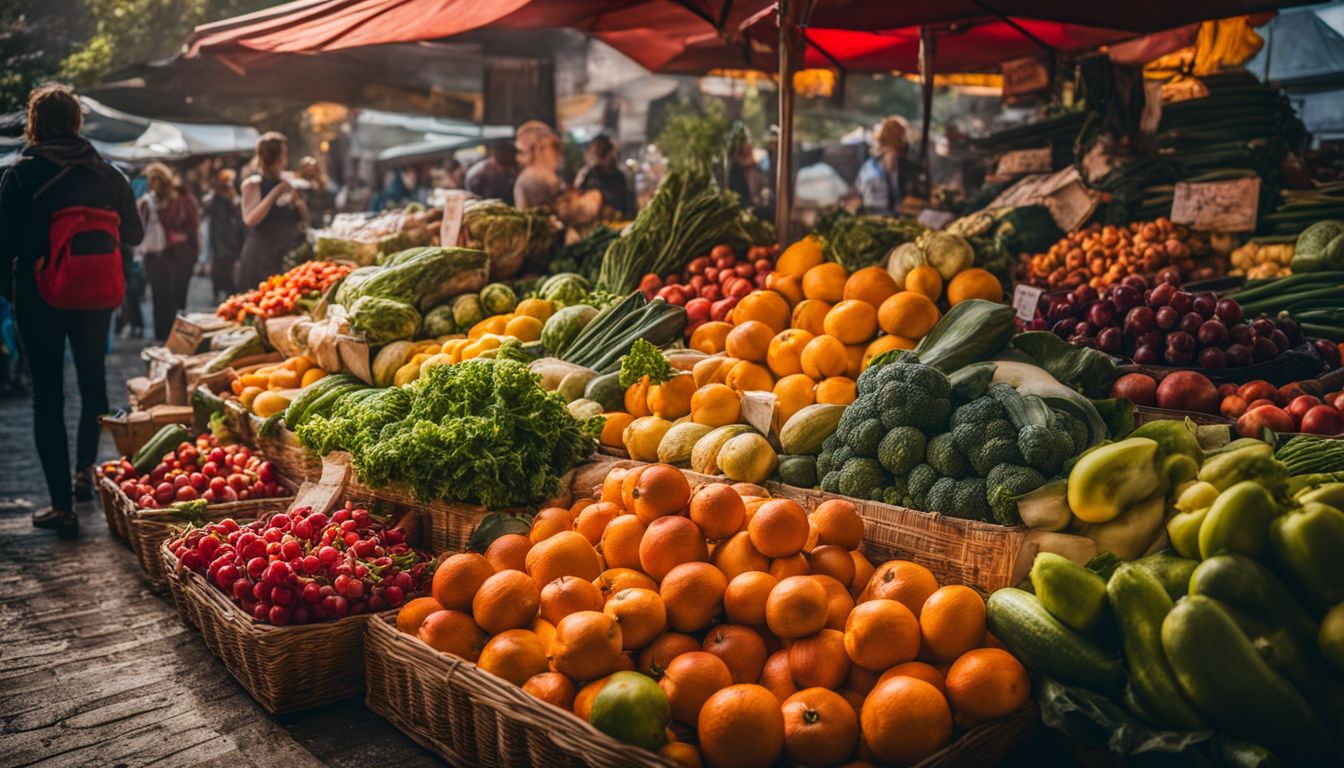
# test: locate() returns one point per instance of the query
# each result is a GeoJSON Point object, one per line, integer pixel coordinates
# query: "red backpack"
{"type": "Point", "coordinates": [82, 269]}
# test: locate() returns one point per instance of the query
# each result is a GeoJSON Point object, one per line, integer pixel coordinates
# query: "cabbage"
{"type": "Point", "coordinates": [383, 320]}
{"type": "Point", "coordinates": [1320, 247]}
{"type": "Point", "coordinates": [948, 253]}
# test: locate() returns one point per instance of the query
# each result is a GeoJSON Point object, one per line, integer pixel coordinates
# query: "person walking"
{"type": "Point", "coordinates": [889, 179]}
{"type": "Point", "coordinates": [602, 173]}
{"type": "Point", "coordinates": [224, 219]}
{"type": "Point", "coordinates": [273, 212]}
{"type": "Point", "coordinates": [539, 152]}
{"type": "Point", "coordinates": [169, 268]}
{"type": "Point", "coordinates": [64, 215]}
{"type": "Point", "coordinates": [493, 178]}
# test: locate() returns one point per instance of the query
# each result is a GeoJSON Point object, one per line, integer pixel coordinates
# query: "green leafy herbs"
{"type": "Point", "coordinates": [482, 431]}
{"type": "Point", "coordinates": [855, 241]}
{"type": "Point", "coordinates": [643, 360]}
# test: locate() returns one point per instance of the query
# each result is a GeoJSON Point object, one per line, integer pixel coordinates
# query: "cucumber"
{"type": "Point", "coordinates": [1070, 592]}
{"type": "Point", "coordinates": [165, 440]}
{"type": "Point", "coordinates": [1171, 570]}
{"type": "Point", "coordinates": [311, 393]}
{"type": "Point", "coordinates": [1226, 680]}
{"type": "Point", "coordinates": [1241, 583]}
{"type": "Point", "coordinates": [323, 404]}
{"type": "Point", "coordinates": [1140, 604]}
{"type": "Point", "coordinates": [1045, 645]}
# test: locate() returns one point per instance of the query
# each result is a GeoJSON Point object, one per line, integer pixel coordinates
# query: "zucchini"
{"type": "Point", "coordinates": [1171, 571]}
{"type": "Point", "coordinates": [311, 393]}
{"type": "Point", "coordinates": [252, 345]}
{"type": "Point", "coordinates": [1221, 673]}
{"type": "Point", "coordinates": [323, 404]}
{"type": "Point", "coordinates": [1070, 592]}
{"type": "Point", "coordinates": [165, 440]}
{"type": "Point", "coordinates": [1140, 604]}
{"type": "Point", "coordinates": [1045, 645]}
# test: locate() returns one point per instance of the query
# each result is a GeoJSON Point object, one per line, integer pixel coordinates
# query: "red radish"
{"type": "Point", "coordinates": [698, 265]}
{"type": "Point", "coordinates": [725, 262]}
{"type": "Point", "coordinates": [712, 274]}
{"type": "Point", "coordinates": [1187, 391]}
{"type": "Point", "coordinates": [697, 282]}
{"type": "Point", "coordinates": [738, 287]}
{"type": "Point", "coordinates": [1255, 421]}
{"type": "Point", "coordinates": [1300, 405]}
{"type": "Point", "coordinates": [720, 309]}
{"type": "Point", "coordinates": [762, 265]}
{"type": "Point", "coordinates": [1233, 407]}
{"type": "Point", "coordinates": [712, 291]}
{"type": "Point", "coordinates": [1322, 420]}
{"type": "Point", "coordinates": [743, 269]}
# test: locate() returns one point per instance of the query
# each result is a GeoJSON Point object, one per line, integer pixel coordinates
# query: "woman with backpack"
{"type": "Point", "coordinates": [173, 222]}
{"type": "Point", "coordinates": [64, 215]}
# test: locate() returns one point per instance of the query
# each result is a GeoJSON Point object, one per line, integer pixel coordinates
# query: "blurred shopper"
{"type": "Point", "coordinates": [493, 178]}
{"type": "Point", "coordinates": [746, 178]}
{"type": "Point", "coordinates": [169, 268]}
{"type": "Point", "coordinates": [62, 200]}
{"type": "Point", "coordinates": [889, 176]}
{"type": "Point", "coordinates": [603, 173]}
{"type": "Point", "coordinates": [224, 218]}
{"type": "Point", "coordinates": [540, 154]}
{"type": "Point", "coordinates": [273, 212]}
{"type": "Point", "coordinates": [318, 193]}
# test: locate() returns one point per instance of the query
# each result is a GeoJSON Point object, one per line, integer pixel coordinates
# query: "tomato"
{"type": "Point", "coordinates": [721, 251]}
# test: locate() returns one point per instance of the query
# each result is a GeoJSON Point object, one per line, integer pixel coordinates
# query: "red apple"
{"type": "Point", "coordinates": [1187, 391]}
{"type": "Point", "coordinates": [1233, 406]}
{"type": "Point", "coordinates": [1140, 388]}
{"type": "Point", "coordinates": [1258, 389]}
{"type": "Point", "coordinates": [1260, 402]}
{"type": "Point", "coordinates": [697, 310]}
{"type": "Point", "coordinates": [1299, 406]}
{"type": "Point", "coordinates": [1255, 421]}
{"type": "Point", "coordinates": [1322, 420]}
{"type": "Point", "coordinates": [1226, 390]}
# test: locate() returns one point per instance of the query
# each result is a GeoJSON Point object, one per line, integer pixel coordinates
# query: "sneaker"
{"type": "Point", "coordinates": [63, 522]}
{"type": "Point", "coordinates": [83, 485]}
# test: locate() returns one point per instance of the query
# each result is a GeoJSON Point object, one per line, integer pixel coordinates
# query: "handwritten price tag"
{"type": "Point", "coordinates": [1218, 206]}
{"type": "Point", "coordinates": [1025, 299]}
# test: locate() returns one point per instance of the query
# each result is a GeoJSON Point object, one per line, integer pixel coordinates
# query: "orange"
{"type": "Point", "coordinates": [744, 599]}
{"type": "Point", "coordinates": [779, 528]}
{"type": "Point", "coordinates": [544, 630]}
{"type": "Point", "coordinates": [788, 286]}
{"type": "Point", "coordinates": [672, 399]}
{"type": "Point", "coordinates": [452, 632]}
{"type": "Point", "coordinates": [718, 509]}
{"type": "Point", "coordinates": [515, 655]}
{"type": "Point", "coordinates": [737, 555]}
{"type": "Point", "coordinates": [918, 670]}
{"type": "Point", "coordinates": [871, 285]}
{"type": "Point", "coordinates": [820, 727]}
{"type": "Point", "coordinates": [564, 554]}
{"type": "Point", "coordinates": [620, 541]}
{"type": "Point", "coordinates": [741, 648]}
{"type": "Point", "coordinates": [457, 579]}
{"type": "Point", "coordinates": [926, 281]}
{"type": "Point", "coordinates": [905, 720]}
{"type": "Point", "coordinates": [587, 645]}
{"type": "Point", "coordinates": [583, 700]}
{"type": "Point", "coordinates": [861, 681]}
{"type": "Point", "coordinates": [810, 315]}
{"type": "Point", "coordinates": [749, 340]}
{"type": "Point", "coordinates": [593, 520]}
{"type": "Point", "coordinates": [552, 688]}
{"type": "Point", "coordinates": [885, 343]}
{"type": "Point", "coordinates": [863, 573]}
{"type": "Point", "coordinates": [660, 490]}
{"type": "Point", "coordinates": [684, 755]}
{"type": "Point", "coordinates": [952, 622]}
{"type": "Point", "coordinates": [628, 482]}
{"type": "Point", "coordinates": [851, 321]}
{"type": "Point", "coordinates": [690, 679]}
{"type": "Point", "coordinates": [834, 561]}
{"type": "Point", "coordinates": [838, 523]}
{"type": "Point", "coordinates": [819, 661]}
{"type": "Point", "coordinates": [550, 521]}
{"type": "Point", "coordinates": [659, 654]}
{"type": "Point", "coordinates": [792, 394]}
{"type": "Point", "coordinates": [908, 314]}
{"type": "Point", "coordinates": [826, 282]}
{"type": "Point", "coordinates": [611, 487]}
{"type": "Point", "coordinates": [710, 337]}
{"type": "Point", "coordinates": [784, 567]}
{"type": "Point", "coordinates": [567, 595]}
{"type": "Point", "coordinates": [839, 603]}
{"type": "Point", "coordinates": [523, 328]}
{"type": "Point", "coordinates": [903, 581]}
{"type": "Point", "coordinates": [746, 376]}
{"type": "Point", "coordinates": [615, 424]}
{"type": "Point", "coordinates": [692, 592]}
{"type": "Point", "coordinates": [777, 677]}
{"type": "Point", "coordinates": [715, 405]}
{"type": "Point", "coordinates": [413, 613]}
{"type": "Point", "coordinates": [508, 551]}
{"type": "Point", "coordinates": [974, 283]}
{"type": "Point", "coordinates": [825, 356]}
{"type": "Point", "coordinates": [669, 542]}
{"type": "Point", "coordinates": [613, 580]}
{"type": "Point", "coordinates": [729, 716]}
{"type": "Point", "coordinates": [637, 398]}
{"type": "Point", "coordinates": [798, 258]}
{"type": "Point", "coordinates": [880, 634]}
{"type": "Point", "coordinates": [854, 360]}
{"type": "Point", "coordinates": [766, 306]}
{"type": "Point", "coordinates": [796, 607]}
{"type": "Point", "coordinates": [507, 600]}
{"type": "Point", "coordinates": [785, 353]}
{"type": "Point", "coordinates": [712, 370]}
{"type": "Point", "coordinates": [641, 614]}
{"type": "Point", "coordinates": [836, 390]}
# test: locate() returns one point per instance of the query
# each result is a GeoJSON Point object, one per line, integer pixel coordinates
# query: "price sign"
{"type": "Point", "coordinates": [1025, 300]}
{"type": "Point", "coordinates": [453, 203]}
{"type": "Point", "coordinates": [758, 410]}
{"type": "Point", "coordinates": [1021, 161]}
{"type": "Point", "coordinates": [1218, 206]}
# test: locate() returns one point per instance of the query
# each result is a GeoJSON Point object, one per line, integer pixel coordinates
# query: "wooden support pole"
{"type": "Point", "coordinates": [790, 54]}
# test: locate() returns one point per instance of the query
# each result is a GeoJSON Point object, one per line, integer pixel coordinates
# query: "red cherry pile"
{"type": "Point", "coordinates": [712, 285]}
{"type": "Point", "coordinates": [200, 470]}
{"type": "Point", "coordinates": [303, 567]}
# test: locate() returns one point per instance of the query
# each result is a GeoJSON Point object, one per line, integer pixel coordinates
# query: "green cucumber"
{"type": "Point", "coordinates": [1140, 603]}
{"type": "Point", "coordinates": [1227, 681]}
{"type": "Point", "coordinates": [165, 440]}
{"type": "Point", "coordinates": [1172, 571]}
{"type": "Point", "coordinates": [311, 393]}
{"type": "Point", "coordinates": [1070, 592]}
{"type": "Point", "coordinates": [1045, 645]}
{"type": "Point", "coordinates": [323, 404]}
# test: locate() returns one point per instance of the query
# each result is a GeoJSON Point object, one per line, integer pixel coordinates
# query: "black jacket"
{"type": "Point", "coordinates": [85, 180]}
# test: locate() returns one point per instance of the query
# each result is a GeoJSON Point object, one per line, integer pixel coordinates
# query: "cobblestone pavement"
{"type": "Point", "coordinates": [97, 671]}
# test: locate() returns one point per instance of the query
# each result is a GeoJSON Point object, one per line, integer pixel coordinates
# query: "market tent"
{"type": "Point", "coordinates": [1306, 56]}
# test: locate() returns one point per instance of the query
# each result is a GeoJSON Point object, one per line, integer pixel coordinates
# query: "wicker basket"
{"type": "Point", "coordinates": [114, 504]}
{"type": "Point", "coordinates": [284, 450]}
{"type": "Point", "coordinates": [445, 526]}
{"type": "Point", "coordinates": [286, 669]}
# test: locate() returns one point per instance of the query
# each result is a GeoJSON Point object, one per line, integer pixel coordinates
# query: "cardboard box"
{"type": "Point", "coordinates": [190, 333]}
{"type": "Point", "coordinates": [133, 430]}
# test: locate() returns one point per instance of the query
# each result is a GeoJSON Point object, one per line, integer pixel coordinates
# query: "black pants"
{"type": "Point", "coordinates": [169, 276]}
{"type": "Point", "coordinates": [43, 330]}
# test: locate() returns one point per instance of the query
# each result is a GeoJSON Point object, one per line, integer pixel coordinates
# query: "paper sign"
{"type": "Point", "coordinates": [453, 203]}
{"type": "Point", "coordinates": [1021, 76]}
{"type": "Point", "coordinates": [1071, 205]}
{"type": "Point", "coordinates": [326, 493]}
{"type": "Point", "coordinates": [1025, 300]}
{"type": "Point", "coordinates": [931, 219]}
{"type": "Point", "coordinates": [758, 410]}
{"type": "Point", "coordinates": [1218, 206]}
{"type": "Point", "coordinates": [1022, 161]}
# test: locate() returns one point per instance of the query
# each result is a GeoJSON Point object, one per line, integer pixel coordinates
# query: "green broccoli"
{"type": "Point", "coordinates": [830, 443]}
{"type": "Point", "coordinates": [901, 449]}
{"type": "Point", "coordinates": [824, 462]}
{"type": "Point", "coordinates": [841, 455]}
{"type": "Point", "coordinates": [921, 479]}
{"type": "Point", "coordinates": [942, 496]}
{"type": "Point", "coordinates": [865, 437]}
{"type": "Point", "coordinates": [979, 411]}
{"type": "Point", "coordinates": [859, 477]}
{"type": "Point", "coordinates": [1077, 431]}
{"type": "Point", "coordinates": [993, 452]}
{"type": "Point", "coordinates": [1045, 448]}
{"type": "Point", "coordinates": [969, 500]}
{"type": "Point", "coordinates": [898, 403]}
{"type": "Point", "coordinates": [1004, 483]}
{"type": "Point", "coordinates": [830, 482]}
{"type": "Point", "coordinates": [944, 456]}
{"type": "Point", "coordinates": [968, 437]}
{"type": "Point", "coordinates": [895, 494]}
{"type": "Point", "coordinates": [855, 413]}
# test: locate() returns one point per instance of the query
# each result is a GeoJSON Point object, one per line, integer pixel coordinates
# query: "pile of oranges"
{"type": "Point", "coordinates": [769, 634]}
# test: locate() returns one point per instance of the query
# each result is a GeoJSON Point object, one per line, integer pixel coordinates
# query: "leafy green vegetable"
{"type": "Point", "coordinates": [1087, 370]}
{"type": "Point", "coordinates": [855, 241]}
{"type": "Point", "coordinates": [510, 237]}
{"type": "Point", "coordinates": [584, 257]}
{"type": "Point", "coordinates": [645, 360]}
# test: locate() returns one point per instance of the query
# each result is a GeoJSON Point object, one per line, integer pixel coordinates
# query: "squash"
{"type": "Point", "coordinates": [800, 471]}
{"type": "Point", "coordinates": [606, 389]}
{"type": "Point", "coordinates": [268, 403]}
{"type": "Point", "coordinates": [805, 431]}
{"type": "Point", "coordinates": [575, 384]}
{"type": "Point", "coordinates": [388, 360]}
{"type": "Point", "coordinates": [672, 399]}
{"type": "Point", "coordinates": [680, 440]}
{"type": "Point", "coordinates": [498, 299]}
{"type": "Point", "coordinates": [747, 458]}
{"type": "Point", "coordinates": [467, 311]}
{"type": "Point", "coordinates": [643, 437]}
{"type": "Point", "coordinates": [583, 410]}
{"type": "Point", "coordinates": [705, 454]}
{"type": "Point", "coordinates": [637, 397]}
{"type": "Point", "coordinates": [561, 328]}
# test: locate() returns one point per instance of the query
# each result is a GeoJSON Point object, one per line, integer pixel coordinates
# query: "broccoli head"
{"type": "Point", "coordinates": [1077, 431]}
{"type": "Point", "coordinates": [993, 452]}
{"type": "Point", "coordinates": [920, 480]}
{"type": "Point", "coordinates": [859, 477]}
{"type": "Point", "coordinates": [896, 493]}
{"type": "Point", "coordinates": [1044, 448]}
{"type": "Point", "coordinates": [830, 443]}
{"type": "Point", "coordinates": [855, 413]}
{"type": "Point", "coordinates": [944, 456]}
{"type": "Point", "coordinates": [842, 454]}
{"type": "Point", "coordinates": [824, 462]}
{"type": "Point", "coordinates": [942, 496]}
{"type": "Point", "coordinates": [979, 411]}
{"type": "Point", "coordinates": [901, 449]}
{"type": "Point", "coordinates": [970, 501]}
{"type": "Point", "coordinates": [898, 403]}
{"type": "Point", "coordinates": [864, 438]}
{"type": "Point", "coordinates": [830, 482]}
{"type": "Point", "coordinates": [1004, 483]}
